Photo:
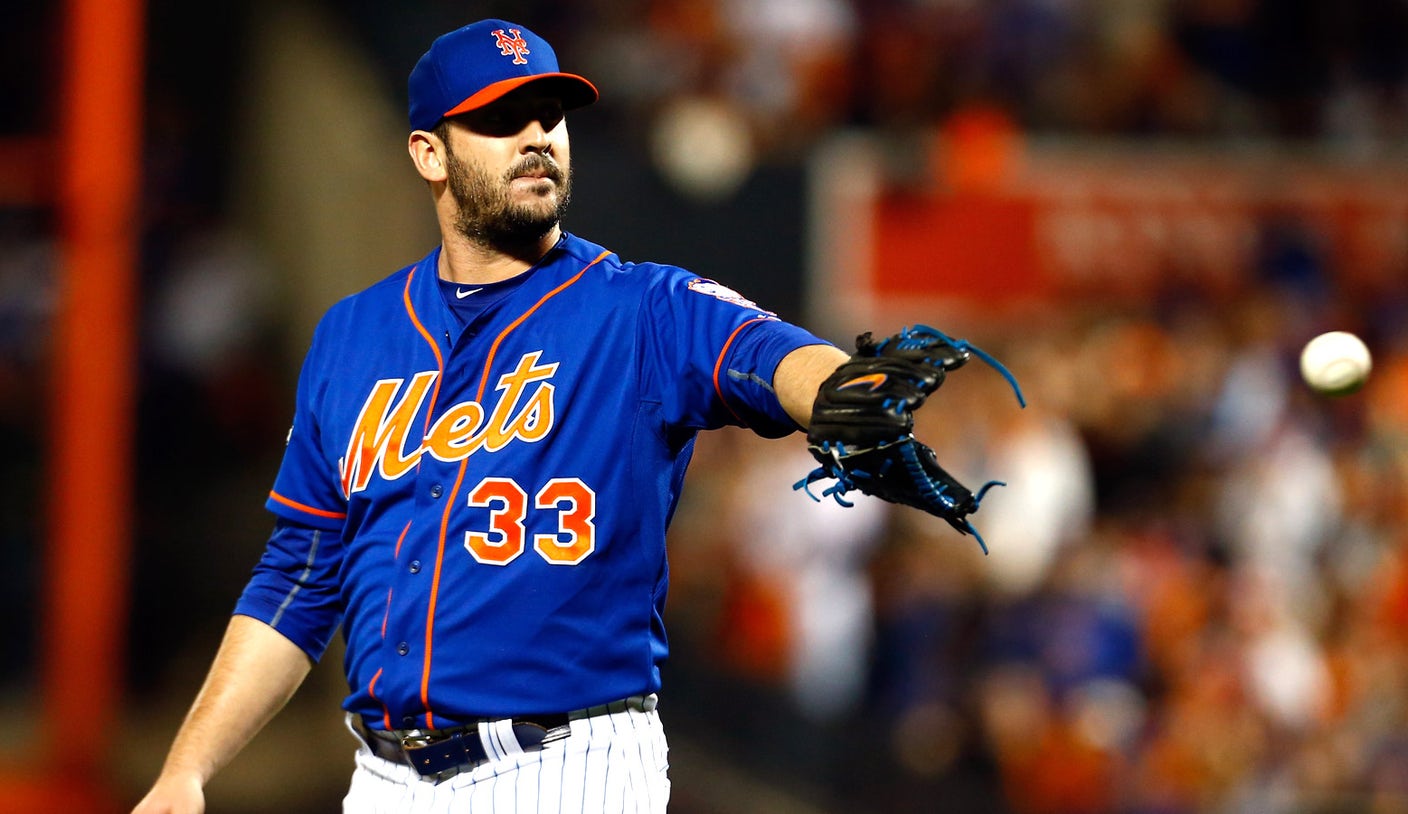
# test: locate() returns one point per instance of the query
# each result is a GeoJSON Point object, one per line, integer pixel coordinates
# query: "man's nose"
{"type": "Point", "coordinates": [535, 138]}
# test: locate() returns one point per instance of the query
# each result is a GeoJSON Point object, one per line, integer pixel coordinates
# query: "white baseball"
{"type": "Point", "coordinates": [1335, 363]}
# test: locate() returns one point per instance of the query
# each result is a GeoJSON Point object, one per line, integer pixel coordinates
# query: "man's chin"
{"type": "Point", "coordinates": [524, 226]}
{"type": "Point", "coordinates": [537, 221]}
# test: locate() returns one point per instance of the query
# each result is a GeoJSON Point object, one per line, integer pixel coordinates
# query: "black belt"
{"type": "Point", "coordinates": [438, 752]}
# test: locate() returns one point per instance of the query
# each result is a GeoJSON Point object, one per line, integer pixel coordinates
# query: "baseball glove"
{"type": "Point", "coordinates": [862, 425]}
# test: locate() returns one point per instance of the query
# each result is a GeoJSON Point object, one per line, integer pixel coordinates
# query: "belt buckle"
{"type": "Point", "coordinates": [415, 739]}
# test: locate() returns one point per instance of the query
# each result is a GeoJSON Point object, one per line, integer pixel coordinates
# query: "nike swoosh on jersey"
{"type": "Point", "coordinates": [460, 293]}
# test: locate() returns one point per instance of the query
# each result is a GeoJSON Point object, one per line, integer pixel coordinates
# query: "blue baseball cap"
{"type": "Point", "coordinates": [472, 66]}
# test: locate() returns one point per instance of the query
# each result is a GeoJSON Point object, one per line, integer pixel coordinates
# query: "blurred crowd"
{"type": "Point", "coordinates": [777, 76]}
{"type": "Point", "coordinates": [1194, 601]}
{"type": "Point", "coordinates": [1196, 596]}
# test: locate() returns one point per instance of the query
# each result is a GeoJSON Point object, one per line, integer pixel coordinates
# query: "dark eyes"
{"type": "Point", "coordinates": [507, 117]}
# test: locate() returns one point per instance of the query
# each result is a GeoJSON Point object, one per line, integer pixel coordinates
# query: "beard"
{"type": "Point", "coordinates": [488, 216]}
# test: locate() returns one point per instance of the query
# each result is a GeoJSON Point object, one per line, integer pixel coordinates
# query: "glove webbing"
{"type": "Point", "coordinates": [846, 482]}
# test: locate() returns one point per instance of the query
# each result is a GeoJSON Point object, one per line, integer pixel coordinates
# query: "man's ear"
{"type": "Point", "coordinates": [428, 154]}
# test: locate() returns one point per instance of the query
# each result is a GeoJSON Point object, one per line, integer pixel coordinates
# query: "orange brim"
{"type": "Point", "coordinates": [576, 91]}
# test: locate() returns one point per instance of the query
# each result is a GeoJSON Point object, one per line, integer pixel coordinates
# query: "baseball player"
{"type": "Point", "coordinates": [486, 450]}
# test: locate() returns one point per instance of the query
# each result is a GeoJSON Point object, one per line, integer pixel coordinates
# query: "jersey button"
{"type": "Point", "coordinates": [437, 490]}
{"type": "Point", "coordinates": [408, 721]}
{"type": "Point", "coordinates": [415, 566]}
{"type": "Point", "coordinates": [403, 648]}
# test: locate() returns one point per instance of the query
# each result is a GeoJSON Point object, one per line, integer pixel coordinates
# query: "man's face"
{"type": "Point", "coordinates": [509, 168]}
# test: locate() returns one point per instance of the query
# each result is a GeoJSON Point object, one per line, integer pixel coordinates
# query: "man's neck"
{"type": "Point", "coordinates": [463, 260]}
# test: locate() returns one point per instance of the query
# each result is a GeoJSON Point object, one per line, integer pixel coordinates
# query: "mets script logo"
{"type": "Point", "coordinates": [513, 46]}
{"type": "Point", "coordinates": [379, 441]}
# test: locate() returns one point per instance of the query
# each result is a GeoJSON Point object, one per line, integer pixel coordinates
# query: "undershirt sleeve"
{"type": "Point", "coordinates": [294, 588]}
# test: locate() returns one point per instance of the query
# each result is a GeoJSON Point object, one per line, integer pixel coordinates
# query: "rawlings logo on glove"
{"type": "Point", "coordinates": [862, 425]}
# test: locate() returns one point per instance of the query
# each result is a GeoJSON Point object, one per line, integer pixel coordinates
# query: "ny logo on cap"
{"type": "Point", "coordinates": [512, 45]}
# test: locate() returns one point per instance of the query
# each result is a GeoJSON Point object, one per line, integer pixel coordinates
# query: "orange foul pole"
{"type": "Point", "coordinates": [94, 389]}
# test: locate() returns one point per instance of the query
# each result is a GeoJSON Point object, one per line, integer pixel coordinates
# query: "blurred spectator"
{"type": "Point", "coordinates": [816, 557]}
{"type": "Point", "coordinates": [1047, 503]}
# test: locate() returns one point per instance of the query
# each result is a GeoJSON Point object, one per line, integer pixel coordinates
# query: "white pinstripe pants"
{"type": "Point", "coordinates": [614, 763]}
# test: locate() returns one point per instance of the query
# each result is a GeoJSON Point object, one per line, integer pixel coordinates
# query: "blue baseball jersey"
{"type": "Point", "coordinates": [482, 507]}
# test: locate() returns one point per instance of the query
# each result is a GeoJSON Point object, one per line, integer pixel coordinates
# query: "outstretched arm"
{"type": "Point", "coordinates": [800, 374]}
{"type": "Point", "coordinates": [255, 672]}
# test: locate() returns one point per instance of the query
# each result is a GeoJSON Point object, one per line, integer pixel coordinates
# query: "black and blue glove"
{"type": "Point", "coordinates": [862, 425]}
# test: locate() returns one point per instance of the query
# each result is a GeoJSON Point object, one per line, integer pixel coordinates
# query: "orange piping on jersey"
{"type": "Point", "coordinates": [459, 481]}
{"type": "Point", "coordinates": [489, 362]}
{"type": "Point", "coordinates": [435, 593]}
{"type": "Point", "coordinates": [386, 616]}
{"type": "Point", "coordinates": [400, 540]}
{"type": "Point", "coordinates": [434, 348]}
{"type": "Point", "coordinates": [371, 690]}
{"type": "Point", "coordinates": [429, 414]}
{"type": "Point", "coordinates": [719, 365]}
{"type": "Point", "coordinates": [293, 504]}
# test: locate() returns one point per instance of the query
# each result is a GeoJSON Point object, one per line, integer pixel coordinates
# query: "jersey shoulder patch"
{"type": "Point", "coordinates": [719, 291]}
